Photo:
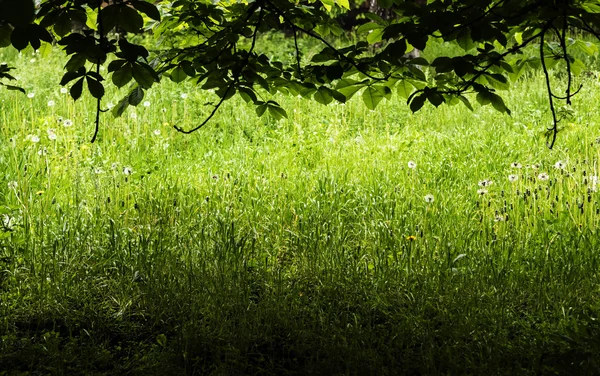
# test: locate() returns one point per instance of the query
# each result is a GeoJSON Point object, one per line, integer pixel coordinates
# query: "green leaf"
{"type": "Point", "coordinates": [120, 107]}
{"type": "Point", "coordinates": [122, 76]}
{"type": "Point", "coordinates": [343, 3]}
{"type": "Point", "coordinates": [323, 95]}
{"type": "Point", "coordinates": [375, 36]}
{"type": "Point", "coordinates": [142, 76]}
{"type": "Point", "coordinates": [371, 96]}
{"type": "Point", "coordinates": [247, 94]}
{"type": "Point", "coordinates": [136, 96]}
{"type": "Point", "coordinates": [260, 109]}
{"type": "Point", "coordinates": [148, 9]}
{"type": "Point", "coordinates": [417, 102]}
{"type": "Point", "coordinates": [95, 87]}
{"type": "Point", "coordinates": [405, 89]}
{"type": "Point", "coordinates": [498, 103]}
{"type": "Point", "coordinates": [77, 89]}
{"type": "Point", "coordinates": [178, 74]}
{"type": "Point", "coordinates": [277, 112]}
{"type": "Point", "coordinates": [20, 38]}
{"type": "Point", "coordinates": [5, 31]}
{"type": "Point", "coordinates": [465, 102]}
{"type": "Point", "coordinates": [434, 97]}
{"type": "Point", "coordinates": [12, 87]}
{"type": "Point", "coordinates": [130, 20]}
{"type": "Point", "coordinates": [69, 76]}
{"type": "Point", "coordinates": [75, 62]}
{"type": "Point", "coordinates": [17, 12]}
{"type": "Point", "coordinates": [464, 40]}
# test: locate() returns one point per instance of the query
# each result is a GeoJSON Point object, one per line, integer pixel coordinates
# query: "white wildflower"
{"type": "Point", "coordinates": [429, 198]}
{"type": "Point", "coordinates": [560, 165]}
{"type": "Point", "coordinates": [412, 164]}
{"type": "Point", "coordinates": [543, 176]}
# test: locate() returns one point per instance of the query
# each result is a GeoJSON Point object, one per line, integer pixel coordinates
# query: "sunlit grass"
{"type": "Point", "coordinates": [338, 240]}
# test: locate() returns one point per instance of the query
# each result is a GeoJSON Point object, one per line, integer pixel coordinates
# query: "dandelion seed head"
{"type": "Point", "coordinates": [156, 132]}
{"type": "Point", "coordinates": [67, 123]}
{"type": "Point", "coordinates": [184, 95]}
{"type": "Point", "coordinates": [12, 184]}
{"type": "Point", "coordinates": [30, 95]}
{"type": "Point", "coordinates": [543, 176]}
{"type": "Point", "coordinates": [127, 170]}
{"type": "Point", "coordinates": [63, 90]}
{"type": "Point", "coordinates": [146, 103]}
{"type": "Point", "coordinates": [560, 165]}
{"type": "Point", "coordinates": [482, 191]}
{"type": "Point", "coordinates": [513, 178]}
{"type": "Point", "coordinates": [412, 165]}
{"type": "Point", "coordinates": [429, 198]}
{"type": "Point", "coordinates": [516, 165]}
{"type": "Point", "coordinates": [51, 103]}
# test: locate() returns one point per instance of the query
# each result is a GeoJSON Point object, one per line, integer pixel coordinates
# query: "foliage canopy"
{"type": "Point", "coordinates": [213, 43]}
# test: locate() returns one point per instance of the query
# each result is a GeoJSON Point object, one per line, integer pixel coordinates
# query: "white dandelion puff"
{"type": "Point", "coordinates": [513, 178]}
{"type": "Point", "coordinates": [485, 183]}
{"type": "Point", "coordinates": [146, 103]}
{"type": "Point", "coordinates": [543, 176]}
{"type": "Point", "coordinates": [184, 95]}
{"type": "Point", "coordinates": [12, 185]}
{"type": "Point", "coordinates": [67, 123]}
{"type": "Point", "coordinates": [429, 198]}
{"type": "Point", "coordinates": [127, 170]}
{"type": "Point", "coordinates": [63, 90]}
{"type": "Point", "coordinates": [560, 165]}
{"type": "Point", "coordinates": [156, 132]}
{"type": "Point", "coordinates": [52, 134]}
{"type": "Point", "coordinates": [31, 95]}
{"type": "Point", "coordinates": [412, 165]}
{"type": "Point", "coordinates": [51, 103]}
{"type": "Point", "coordinates": [516, 165]}
{"type": "Point", "coordinates": [482, 191]}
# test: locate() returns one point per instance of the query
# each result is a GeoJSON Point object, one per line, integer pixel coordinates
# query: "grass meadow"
{"type": "Point", "coordinates": [337, 241]}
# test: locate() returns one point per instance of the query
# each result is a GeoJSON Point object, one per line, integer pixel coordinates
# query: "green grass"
{"type": "Point", "coordinates": [303, 246]}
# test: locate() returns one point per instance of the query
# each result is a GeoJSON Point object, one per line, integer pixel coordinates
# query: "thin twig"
{"type": "Point", "coordinates": [320, 38]}
{"type": "Point", "coordinates": [555, 121]}
{"type": "Point", "coordinates": [101, 42]}
{"type": "Point", "coordinates": [233, 83]}
{"type": "Point", "coordinates": [297, 53]}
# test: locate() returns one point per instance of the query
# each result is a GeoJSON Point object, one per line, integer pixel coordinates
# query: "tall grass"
{"type": "Point", "coordinates": [305, 246]}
